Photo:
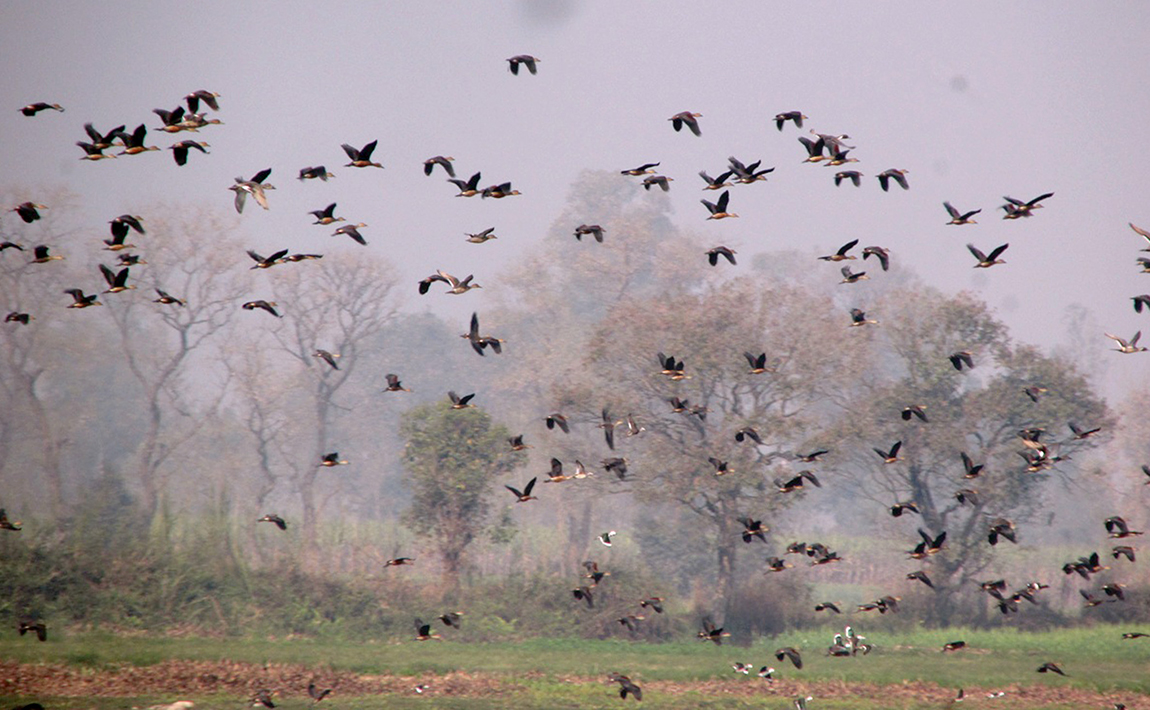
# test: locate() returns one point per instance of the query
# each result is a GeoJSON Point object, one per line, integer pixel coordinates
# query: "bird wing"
{"type": "Point", "coordinates": [997, 251]}
{"type": "Point", "coordinates": [977, 253]}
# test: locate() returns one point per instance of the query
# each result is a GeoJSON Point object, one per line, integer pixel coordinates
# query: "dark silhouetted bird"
{"type": "Point", "coordinates": [526, 60]}
{"type": "Point", "coordinates": [275, 519]}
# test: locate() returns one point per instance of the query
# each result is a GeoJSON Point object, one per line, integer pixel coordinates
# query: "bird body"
{"type": "Point", "coordinates": [725, 252]}
{"type": "Point", "coordinates": [361, 157]}
{"type": "Point", "coordinates": [688, 119]}
{"type": "Point", "coordinates": [442, 161]}
{"type": "Point", "coordinates": [957, 217]}
{"type": "Point", "coordinates": [269, 306]}
{"type": "Point", "coordinates": [718, 209]}
{"type": "Point", "coordinates": [895, 174]}
{"type": "Point", "coordinates": [33, 109]}
{"type": "Point", "coordinates": [796, 117]}
{"type": "Point", "coordinates": [526, 60]}
{"type": "Point", "coordinates": [524, 495]}
{"type": "Point", "coordinates": [275, 520]}
{"type": "Point", "coordinates": [1127, 346]}
{"type": "Point", "coordinates": [985, 261]}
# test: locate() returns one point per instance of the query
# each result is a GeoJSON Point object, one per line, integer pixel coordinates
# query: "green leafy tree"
{"type": "Point", "coordinates": [979, 411]}
{"type": "Point", "coordinates": [453, 458]}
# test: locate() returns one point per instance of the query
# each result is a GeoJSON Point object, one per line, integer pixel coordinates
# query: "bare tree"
{"type": "Point", "coordinates": [336, 305]}
{"type": "Point", "coordinates": [37, 351]}
{"type": "Point", "coordinates": [158, 341]}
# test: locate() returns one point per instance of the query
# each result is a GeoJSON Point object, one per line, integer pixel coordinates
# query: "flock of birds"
{"type": "Point", "coordinates": [827, 149]}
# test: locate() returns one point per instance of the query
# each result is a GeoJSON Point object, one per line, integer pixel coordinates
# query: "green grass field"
{"type": "Point", "coordinates": [541, 673]}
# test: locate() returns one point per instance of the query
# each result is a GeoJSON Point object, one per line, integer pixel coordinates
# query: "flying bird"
{"type": "Point", "coordinates": [852, 175]}
{"type": "Point", "coordinates": [134, 142]}
{"type": "Point", "coordinates": [119, 228]}
{"type": "Point", "coordinates": [256, 187]}
{"type": "Point", "coordinates": [1050, 668]}
{"type": "Point", "coordinates": [469, 187]}
{"type": "Point", "coordinates": [914, 410]}
{"type": "Point", "coordinates": [644, 169]}
{"type": "Point", "coordinates": [725, 252]}
{"type": "Point", "coordinates": [393, 383]}
{"type": "Point", "coordinates": [180, 150]}
{"type": "Point", "coordinates": [814, 148]}
{"type": "Point", "coordinates": [879, 253]}
{"type": "Point", "coordinates": [718, 209]}
{"type": "Point", "coordinates": [274, 519]}
{"type": "Point", "coordinates": [895, 174]}
{"type": "Point", "coordinates": [313, 172]}
{"type": "Point", "coordinates": [919, 575]}
{"type": "Point", "coordinates": [841, 254]}
{"type": "Point", "coordinates": [850, 277]}
{"type": "Point", "coordinates": [1127, 346]}
{"type": "Point", "coordinates": [688, 119]}
{"type": "Point", "coordinates": [717, 183]}
{"type": "Point", "coordinates": [37, 627]}
{"type": "Point", "coordinates": [33, 109]}
{"type": "Point", "coordinates": [794, 116]}
{"type": "Point", "coordinates": [591, 229]}
{"type": "Point", "coordinates": [423, 631]}
{"type": "Point", "coordinates": [6, 524]}
{"type": "Point", "coordinates": [986, 261]}
{"type": "Point", "coordinates": [712, 633]}
{"type": "Point", "coordinates": [1017, 208]}
{"type": "Point", "coordinates": [208, 97]}
{"type": "Point", "coordinates": [269, 306]}
{"type": "Point", "coordinates": [970, 469]}
{"type": "Point", "coordinates": [660, 181]}
{"type": "Point", "coordinates": [556, 419]}
{"type": "Point", "coordinates": [526, 60]}
{"type": "Point", "coordinates": [481, 237]}
{"type": "Point", "coordinates": [328, 357]}
{"type": "Point", "coordinates": [117, 280]}
{"type": "Point", "coordinates": [957, 217]}
{"type": "Point", "coordinates": [315, 693]}
{"type": "Point", "coordinates": [79, 300]}
{"type": "Point", "coordinates": [890, 456]}
{"type": "Point", "coordinates": [962, 358]}
{"type": "Point", "coordinates": [626, 686]}
{"type": "Point", "coordinates": [792, 654]}
{"type": "Point", "coordinates": [442, 161]}
{"type": "Point", "coordinates": [858, 318]}
{"type": "Point", "coordinates": [524, 495]}
{"type": "Point", "coordinates": [360, 158]}
{"type": "Point", "coordinates": [352, 230]}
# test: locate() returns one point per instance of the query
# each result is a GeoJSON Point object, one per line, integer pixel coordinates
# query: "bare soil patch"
{"type": "Point", "coordinates": [197, 678]}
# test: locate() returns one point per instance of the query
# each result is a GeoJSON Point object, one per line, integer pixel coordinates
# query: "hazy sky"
{"type": "Point", "coordinates": [977, 99]}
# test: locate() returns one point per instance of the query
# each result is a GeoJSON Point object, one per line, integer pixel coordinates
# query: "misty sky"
{"type": "Point", "coordinates": [976, 99]}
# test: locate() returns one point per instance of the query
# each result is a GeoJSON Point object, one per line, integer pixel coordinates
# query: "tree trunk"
{"type": "Point", "coordinates": [725, 550]}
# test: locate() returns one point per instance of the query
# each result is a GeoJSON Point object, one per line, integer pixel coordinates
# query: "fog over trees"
{"type": "Point", "coordinates": [172, 427]}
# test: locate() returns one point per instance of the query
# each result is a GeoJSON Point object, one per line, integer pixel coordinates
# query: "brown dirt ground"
{"type": "Point", "coordinates": [197, 678]}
